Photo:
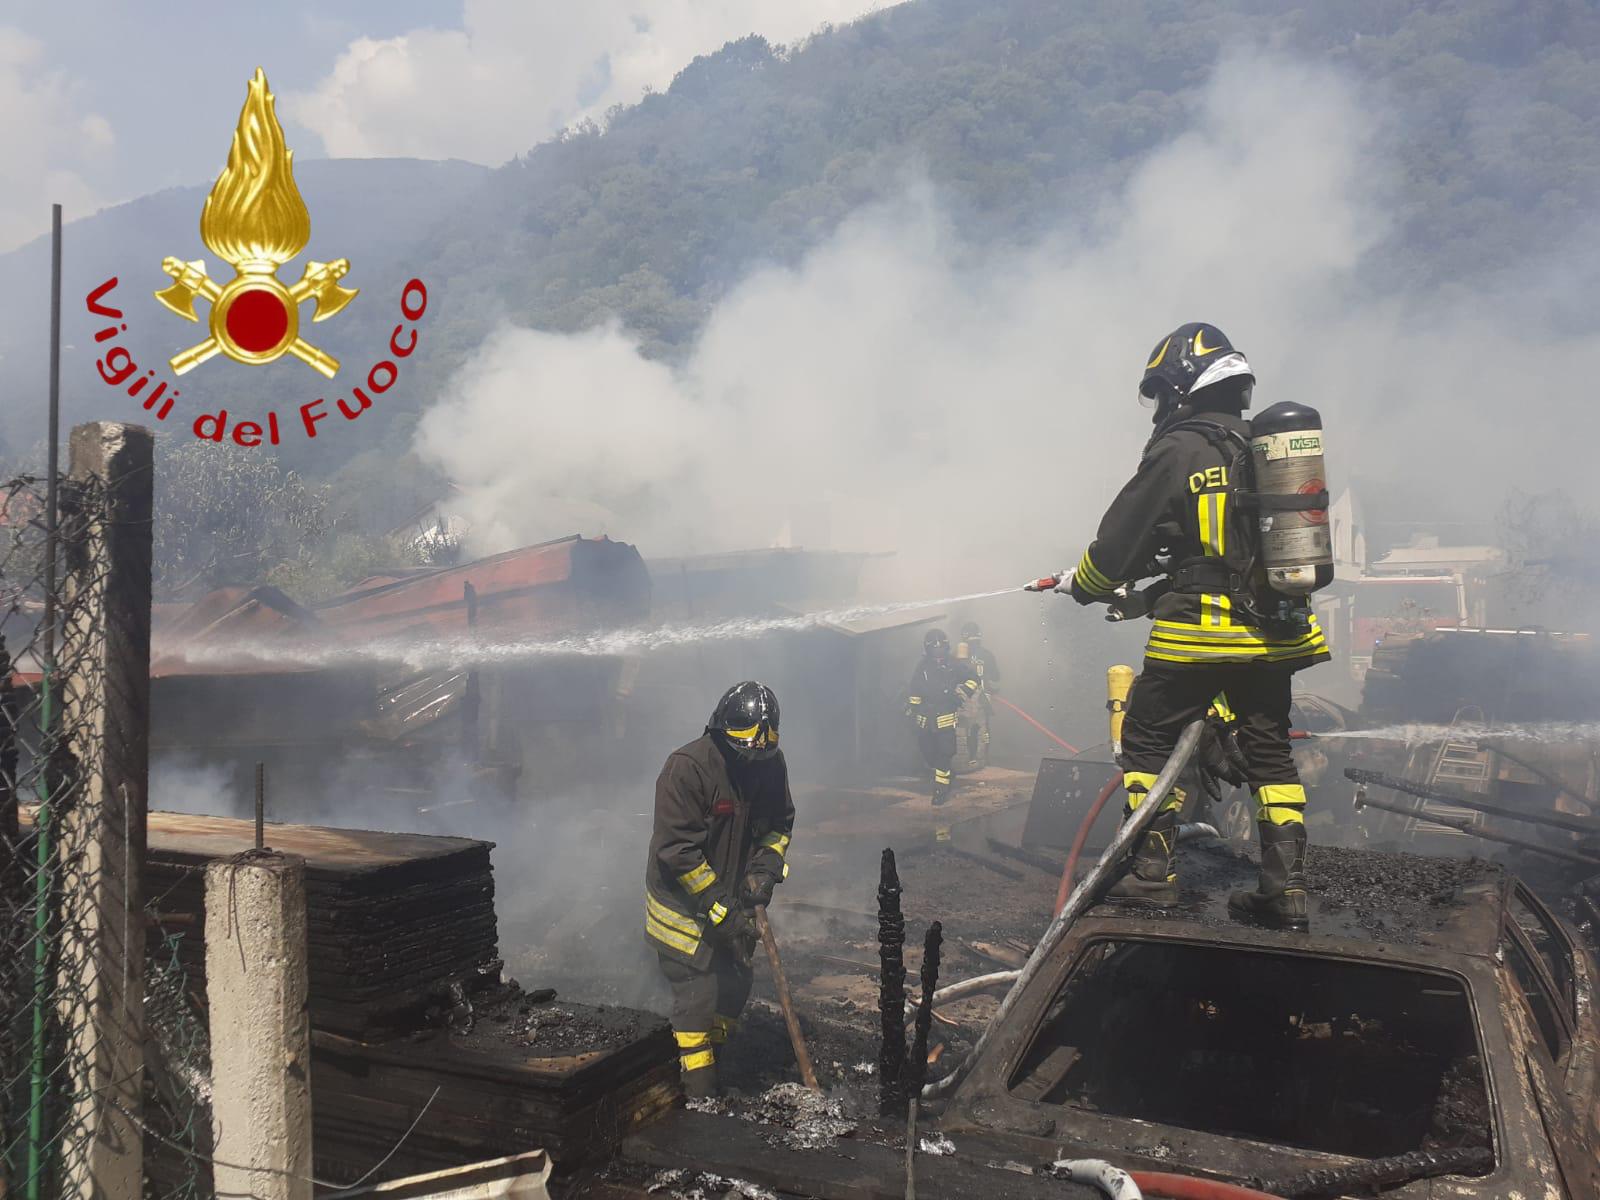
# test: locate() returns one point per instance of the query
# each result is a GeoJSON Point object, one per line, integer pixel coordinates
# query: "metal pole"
{"type": "Point", "coordinates": [1395, 784]}
{"type": "Point", "coordinates": [1082, 896]}
{"type": "Point", "coordinates": [261, 804]}
{"type": "Point", "coordinates": [41, 889]}
{"type": "Point", "coordinates": [1406, 810]}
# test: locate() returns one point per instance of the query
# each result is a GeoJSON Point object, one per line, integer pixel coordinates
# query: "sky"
{"type": "Point", "coordinates": [107, 101]}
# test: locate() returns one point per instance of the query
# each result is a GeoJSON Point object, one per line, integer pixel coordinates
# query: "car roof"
{"type": "Point", "coordinates": [1382, 898]}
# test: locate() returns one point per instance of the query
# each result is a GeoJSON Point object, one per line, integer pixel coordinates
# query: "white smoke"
{"type": "Point", "coordinates": [974, 410]}
{"type": "Point", "coordinates": [51, 145]}
{"type": "Point", "coordinates": [518, 71]}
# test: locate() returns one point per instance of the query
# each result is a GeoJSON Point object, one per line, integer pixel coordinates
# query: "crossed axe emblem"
{"type": "Point", "coordinates": [319, 282]}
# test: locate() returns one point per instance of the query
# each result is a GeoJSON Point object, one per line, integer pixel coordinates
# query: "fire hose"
{"type": "Point", "coordinates": [1056, 738]}
{"type": "Point", "coordinates": [1118, 1184]}
{"type": "Point", "coordinates": [1082, 896]}
{"type": "Point", "coordinates": [1083, 836]}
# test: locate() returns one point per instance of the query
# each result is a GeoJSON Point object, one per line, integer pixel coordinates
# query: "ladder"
{"type": "Point", "coordinates": [1461, 762]}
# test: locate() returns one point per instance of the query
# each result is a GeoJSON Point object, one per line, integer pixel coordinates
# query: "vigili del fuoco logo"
{"type": "Point", "coordinates": [255, 220]}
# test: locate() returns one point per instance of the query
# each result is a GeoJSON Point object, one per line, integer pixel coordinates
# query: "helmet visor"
{"type": "Point", "coordinates": [757, 741]}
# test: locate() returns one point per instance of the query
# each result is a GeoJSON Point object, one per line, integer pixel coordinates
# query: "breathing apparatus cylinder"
{"type": "Point", "coordinates": [1119, 682]}
{"type": "Point", "coordinates": [1296, 543]}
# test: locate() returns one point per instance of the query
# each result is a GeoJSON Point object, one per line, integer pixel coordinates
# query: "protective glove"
{"type": "Point", "coordinates": [1220, 756]}
{"type": "Point", "coordinates": [758, 889]}
{"type": "Point", "coordinates": [737, 931]}
{"type": "Point", "coordinates": [1127, 604]}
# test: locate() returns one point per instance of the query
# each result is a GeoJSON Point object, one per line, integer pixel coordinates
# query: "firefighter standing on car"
{"type": "Point", "coordinates": [723, 818]}
{"type": "Point", "coordinates": [977, 712]}
{"type": "Point", "coordinates": [939, 687]}
{"type": "Point", "coordinates": [1190, 515]}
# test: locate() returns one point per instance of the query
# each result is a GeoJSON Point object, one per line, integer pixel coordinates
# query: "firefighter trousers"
{"type": "Point", "coordinates": [938, 745]}
{"type": "Point", "coordinates": [705, 1011]}
{"type": "Point", "coordinates": [1167, 698]}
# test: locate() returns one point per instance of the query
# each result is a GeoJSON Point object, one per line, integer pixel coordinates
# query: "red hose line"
{"type": "Point", "coordinates": [1078, 842]}
{"type": "Point", "coordinates": [1191, 1187]}
{"type": "Point", "coordinates": [1060, 741]}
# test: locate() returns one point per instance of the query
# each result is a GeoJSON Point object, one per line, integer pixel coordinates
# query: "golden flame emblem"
{"type": "Point", "coordinates": [255, 221]}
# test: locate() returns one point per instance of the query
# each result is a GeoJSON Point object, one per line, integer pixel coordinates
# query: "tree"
{"type": "Point", "coordinates": [226, 515]}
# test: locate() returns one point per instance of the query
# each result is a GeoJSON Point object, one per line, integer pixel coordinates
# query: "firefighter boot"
{"type": "Point", "coordinates": [700, 1083]}
{"type": "Point", "coordinates": [941, 786]}
{"type": "Point", "coordinates": [1280, 898]}
{"type": "Point", "coordinates": [1151, 879]}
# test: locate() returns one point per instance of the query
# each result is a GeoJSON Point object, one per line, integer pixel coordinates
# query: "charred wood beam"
{"type": "Point", "coordinates": [998, 868]}
{"type": "Point", "coordinates": [891, 990]}
{"type": "Point", "coordinates": [1379, 1173]}
{"type": "Point", "coordinates": [1033, 859]}
{"type": "Point", "coordinates": [917, 1065]}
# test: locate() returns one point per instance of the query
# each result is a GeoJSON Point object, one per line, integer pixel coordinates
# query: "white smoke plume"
{"type": "Point", "coordinates": [518, 71]}
{"type": "Point", "coordinates": [899, 389]}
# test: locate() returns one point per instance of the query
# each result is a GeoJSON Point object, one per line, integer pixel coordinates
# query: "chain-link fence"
{"type": "Point", "coordinates": [66, 946]}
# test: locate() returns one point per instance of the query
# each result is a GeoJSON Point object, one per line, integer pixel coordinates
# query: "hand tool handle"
{"type": "Point", "coordinates": [807, 1075]}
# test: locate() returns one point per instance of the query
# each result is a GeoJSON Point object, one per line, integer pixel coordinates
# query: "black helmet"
{"type": "Point", "coordinates": [935, 642]}
{"type": "Point", "coordinates": [1192, 357]}
{"type": "Point", "coordinates": [970, 630]}
{"type": "Point", "coordinates": [747, 719]}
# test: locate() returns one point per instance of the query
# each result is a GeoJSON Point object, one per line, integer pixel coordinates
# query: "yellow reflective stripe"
{"type": "Point", "coordinates": [682, 922]}
{"type": "Point", "coordinates": [1179, 634]}
{"type": "Point", "coordinates": [1221, 524]}
{"type": "Point", "coordinates": [697, 1060]}
{"type": "Point", "coordinates": [776, 841]}
{"type": "Point", "coordinates": [1220, 707]}
{"type": "Point", "coordinates": [1092, 579]}
{"type": "Point", "coordinates": [1281, 803]}
{"type": "Point", "coordinates": [947, 721]}
{"type": "Point", "coordinates": [786, 868]}
{"type": "Point", "coordinates": [743, 733]}
{"type": "Point", "coordinates": [689, 1040]}
{"type": "Point", "coordinates": [1137, 784]}
{"type": "Point", "coordinates": [1203, 515]}
{"type": "Point", "coordinates": [941, 776]}
{"type": "Point", "coordinates": [914, 700]}
{"type": "Point", "coordinates": [718, 913]}
{"type": "Point", "coordinates": [698, 880]}
{"type": "Point", "coordinates": [670, 937]}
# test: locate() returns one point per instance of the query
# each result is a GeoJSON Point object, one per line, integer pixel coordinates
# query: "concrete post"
{"type": "Point", "coordinates": [260, 1036]}
{"type": "Point", "coordinates": [105, 697]}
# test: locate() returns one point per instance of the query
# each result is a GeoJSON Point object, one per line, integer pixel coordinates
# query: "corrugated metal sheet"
{"type": "Point", "coordinates": [568, 586]}
{"type": "Point", "coordinates": [563, 586]}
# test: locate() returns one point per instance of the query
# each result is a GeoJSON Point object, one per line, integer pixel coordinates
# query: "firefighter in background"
{"type": "Point", "coordinates": [940, 686]}
{"type": "Point", "coordinates": [1216, 628]}
{"type": "Point", "coordinates": [979, 711]}
{"type": "Point", "coordinates": [723, 819]}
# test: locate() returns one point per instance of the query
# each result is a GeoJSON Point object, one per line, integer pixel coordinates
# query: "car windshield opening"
{"type": "Point", "coordinates": [1316, 1054]}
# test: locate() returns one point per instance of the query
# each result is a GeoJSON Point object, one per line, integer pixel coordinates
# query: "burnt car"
{"type": "Point", "coordinates": [1437, 1013]}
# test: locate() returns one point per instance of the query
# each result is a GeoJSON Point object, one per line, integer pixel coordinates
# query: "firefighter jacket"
{"type": "Point", "coordinates": [715, 823]}
{"type": "Point", "coordinates": [938, 689]}
{"type": "Point", "coordinates": [1182, 502]}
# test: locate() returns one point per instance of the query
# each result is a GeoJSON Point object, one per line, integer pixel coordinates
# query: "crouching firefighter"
{"type": "Point", "coordinates": [1230, 514]}
{"type": "Point", "coordinates": [940, 686]}
{"type": "Point", "coordinates": [722, 823]}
